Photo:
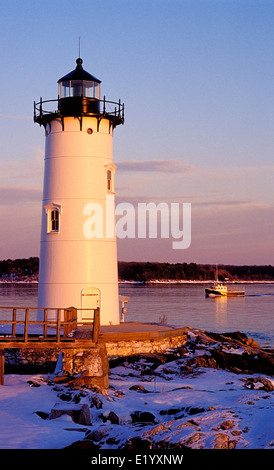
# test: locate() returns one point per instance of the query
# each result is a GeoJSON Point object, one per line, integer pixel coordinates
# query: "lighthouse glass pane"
{"type": "Point", "coordinates": [97, 90]}
{"type": "Point", "coordinates": [88, 89]}
{"type": "Point", "coordinates": [77, 88]}
{"type": "Point", "coordinates": [65, 90]}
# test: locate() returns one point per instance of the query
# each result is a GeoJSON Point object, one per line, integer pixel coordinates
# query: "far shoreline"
{"type": "Point", "coordinates": [156, 281]}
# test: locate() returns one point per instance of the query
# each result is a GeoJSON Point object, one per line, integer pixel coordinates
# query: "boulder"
{"type": "Point", "coordinates": [97, 435]}
{"type": "Point", "coordinates": [96, 402]}
{"type": "Point", "coordinates": [142, 417]}
{"type": "Point", "coordinates": [33, 383]}
{"type": "Point", "coordinates": [82, 445]}
{"type": "Point", "coordinates": [137, 443]}
{"type": "Point", "coordinates": [193, 439]}
{"type": "Point", "coordinates": [66, 396]}
{"type": "Point", "coordinates": [227, 424]}
{"type": "Point", "coordinates": [139, 388]}
{"type": "Point", "coordinates": [79, 413]}
{"type": "Point", "coordinates": [259, 383]}
{"type": "Point", "coordinates": [113, 418]}
{"type": "Point", "coordinates": [42, 414]}
{"type": "Point", "coordinates": [221, 441]}
{"type": "Point", "coordinates": [242, 338]}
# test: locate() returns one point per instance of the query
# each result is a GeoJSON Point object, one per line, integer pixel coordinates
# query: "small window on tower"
{"type": "Point", "coordinates": [53, 212]}
{"type": "Point", "coordinates": [110, 171]}
{"type": "Point", "coordinates": [54, 221]}
{"type": "Point", "coordinates": [109, 180]}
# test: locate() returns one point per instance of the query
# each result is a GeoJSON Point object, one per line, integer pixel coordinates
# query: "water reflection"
{"type": "Point", "coordinates": [224, 305]}
{"type": "Point", "coordinates": [220, 310]}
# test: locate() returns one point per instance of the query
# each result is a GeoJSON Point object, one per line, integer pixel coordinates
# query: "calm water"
{"type": "Point", "coordinates": [182, 305]}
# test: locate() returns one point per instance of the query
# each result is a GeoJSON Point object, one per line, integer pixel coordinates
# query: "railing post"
{"type": "Point", "coordinates": [104, 107]}
{"type": "Point", "coordinates": [26, 325]}
{"type": "Point", "coordinates": [70, 320]}
{"type": "Point", "coordinates": [58, 325]}
{"type": "Point", "coordinates": [13, 332]}
{"type": "Point", "coordinates": [45, 322]}
{"type": "Point", "coordinates": [66, 322]}
{"type": "Point", "coordinates": [74, 318]}
{"type": "Point", "coordinates": [96, 325]}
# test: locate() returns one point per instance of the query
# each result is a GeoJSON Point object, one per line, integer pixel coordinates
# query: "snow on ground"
{"type": "Point", "coordinates": [212, 402]}
{"type": "Point", "coordinates": [161, 405]}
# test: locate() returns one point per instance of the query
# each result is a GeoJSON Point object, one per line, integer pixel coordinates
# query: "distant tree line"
{"type": "Point", "coordinates": [134, 271]}
{"type": "Point", "coordinates": [149, 271]}
{"type": "Point", "coordinates": [18, 269]}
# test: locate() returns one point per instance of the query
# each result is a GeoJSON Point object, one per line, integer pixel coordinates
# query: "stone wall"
{"type": "Point", "coordinates": [92, 360]}
{"type": "Point", "coordinates": [148, 346]}
{"type": "Point", "coordinates": [26, 360]}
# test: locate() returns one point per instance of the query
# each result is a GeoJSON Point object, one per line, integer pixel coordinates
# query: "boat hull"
{"type": "Point", "coordinates": [232, 293]}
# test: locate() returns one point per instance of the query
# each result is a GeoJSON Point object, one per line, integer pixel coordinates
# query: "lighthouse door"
{"type": "Point", "coordinates": [90, 301]}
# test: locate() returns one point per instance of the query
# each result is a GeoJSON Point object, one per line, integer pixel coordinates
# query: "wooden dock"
{"type": "Point", "coordinates": [66, 332]}
{"type": "Point", "coordinates": [57, 333]}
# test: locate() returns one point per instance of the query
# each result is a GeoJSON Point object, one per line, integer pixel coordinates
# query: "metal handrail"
{"type": "Point", "coordinates": [118, 110]}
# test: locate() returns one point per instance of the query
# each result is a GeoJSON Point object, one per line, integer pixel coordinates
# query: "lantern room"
{"type": "Point", "coordinates": [79, 92]}
{"type": "Point", "coordinates": [78, 96]}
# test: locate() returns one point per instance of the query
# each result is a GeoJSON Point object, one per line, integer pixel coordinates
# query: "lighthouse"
{"type": "Point", "coordinates": [78, 249]}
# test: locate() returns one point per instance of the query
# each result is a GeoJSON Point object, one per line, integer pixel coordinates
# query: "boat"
{"type": "Point", "coordinates": [219, 289]}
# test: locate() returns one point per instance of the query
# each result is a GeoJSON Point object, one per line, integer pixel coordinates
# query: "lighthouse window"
{"type": "Point", "coordinates": [65, 90]}
{"type": "Point", "coordinates": [53, 212]}
{"type": "Point", "coordinates": [97, 90]}
{"type": "Point", "coordinates": [54, 226]}
{"type": "Point", "coordinates": [88, 88]}
{"type": "Point", "coordinates": [109, 180]}
{"type": "Point", "coordinates": [72, 88]}
{"type": "Point", "coordinates": [110, 172]}
{"type": "Point", "coordinates": [77, 88]}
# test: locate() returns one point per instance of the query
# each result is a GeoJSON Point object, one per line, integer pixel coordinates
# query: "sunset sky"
{"type": "Point", "coordinates": [197, 79]}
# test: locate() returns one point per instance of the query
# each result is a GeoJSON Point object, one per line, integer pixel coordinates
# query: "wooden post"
{"type": "Point", "coordinates": [70, 320]}
{"type": "Point", "coordinates": [96, 325]}
{"type": "Point", "coordinates": [26, 325]}
{"type": "Point", "coordinates": [45, 322]}
{"type": "Point", "coordinates": [74, 318]}
{"type": "Point", "coordinates": [58, 325]}
{"type": "Point", "coordinates": [2, 367]}
{"type": "Point", "coordinates": [66, 322]}
{"type": "Point", "coordinates": [13, 333]}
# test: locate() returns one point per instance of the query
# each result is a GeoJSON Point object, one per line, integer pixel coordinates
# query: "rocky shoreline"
{"type": "Point", "coordinates": [214, 392]}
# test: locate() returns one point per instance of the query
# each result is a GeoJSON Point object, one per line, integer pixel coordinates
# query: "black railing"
{"type": "Point", "coordinates": [109, 109]}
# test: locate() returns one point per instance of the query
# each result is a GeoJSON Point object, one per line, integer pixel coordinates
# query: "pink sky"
{"type": "Point", "coordinates": [196, 80]}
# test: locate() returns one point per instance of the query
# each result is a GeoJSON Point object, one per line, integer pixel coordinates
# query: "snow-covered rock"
{"type": "Point", "coordinates": [185, 404]}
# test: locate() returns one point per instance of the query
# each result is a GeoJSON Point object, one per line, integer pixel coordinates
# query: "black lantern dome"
{"type": "Point", "coordinates": [79, 95]}
{"type": "Point", "coordinates": [79, 74]}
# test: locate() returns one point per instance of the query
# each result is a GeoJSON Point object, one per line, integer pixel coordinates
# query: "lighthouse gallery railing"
{"type": "Point", "coordinates": [107, 108]}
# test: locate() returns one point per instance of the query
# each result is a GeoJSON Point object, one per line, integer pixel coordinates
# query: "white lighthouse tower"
{"type": "Point", "coordinates": [78, 251]}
